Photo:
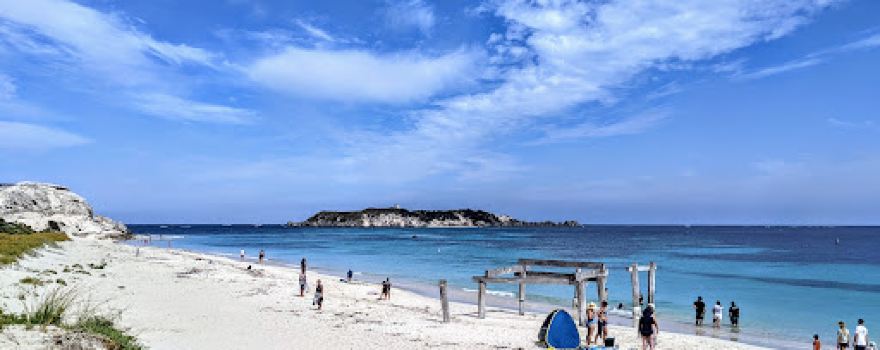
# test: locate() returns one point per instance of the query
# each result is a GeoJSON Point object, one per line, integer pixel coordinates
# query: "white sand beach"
{"type": "Point", "coordinates": [171, 299]}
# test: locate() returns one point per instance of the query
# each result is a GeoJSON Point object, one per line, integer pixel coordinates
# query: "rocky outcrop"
{"type": "Point", "coordinates": [397, 217]}
{"type": "Point", "coordinates": [51, 207]}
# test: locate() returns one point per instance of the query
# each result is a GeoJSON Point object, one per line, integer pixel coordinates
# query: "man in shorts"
{"type": "Point", "coordinates": [700, 308]}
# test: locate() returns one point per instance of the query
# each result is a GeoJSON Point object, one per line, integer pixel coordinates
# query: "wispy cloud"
{"type": "Point", "coordinates": [407, 14]}
{"type": "Point", "coordinates": [362, 76]}
{"type": "Point", "coordinates": [846, 124]}
{"type": "Point", "coordinates": [105, 45]}
{"type": "Point", "coordinates": [812, 59]}
{"type": "Point", "coordinates": [173, 107]}
{"type": "Point", "coordinates": [314, 31]}
{"type": "Point", "coordinates": [628, 126]}
{"type": "Point", "coordinates": [33, 137]}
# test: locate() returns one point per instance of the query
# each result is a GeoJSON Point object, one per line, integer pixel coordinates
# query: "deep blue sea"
{"type": "Point", "coordinates": [790, 282]}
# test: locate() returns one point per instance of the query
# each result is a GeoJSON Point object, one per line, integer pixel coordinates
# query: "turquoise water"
{"type": "Point", "coordinates": [790, 282]}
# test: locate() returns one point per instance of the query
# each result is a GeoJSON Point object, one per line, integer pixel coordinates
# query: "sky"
{"type": "Point", "coordinates": [635, 112]}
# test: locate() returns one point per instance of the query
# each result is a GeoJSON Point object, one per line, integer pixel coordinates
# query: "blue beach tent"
{"type": "Point", "coordinates": [559, 331]}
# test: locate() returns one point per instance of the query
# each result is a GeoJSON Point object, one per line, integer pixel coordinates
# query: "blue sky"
{"type": "Point", "coordinates": [688, 111]}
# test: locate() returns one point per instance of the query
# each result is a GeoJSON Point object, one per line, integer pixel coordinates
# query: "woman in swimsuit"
{"type": "Point", "coordinates": [319, 295]}
{"type": "Point", "coordinates": [591, 323]}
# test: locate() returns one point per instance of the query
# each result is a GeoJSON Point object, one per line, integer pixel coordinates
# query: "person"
{"type": "Point", "coordinates": [817, 345]}
{"type": "Point", "coordinates": [620, 306]}
{"type": "Point", "coordinates": [842, 336]}
{"type": "Point", "coordinates": [303, 284]}
{"type": "Point", "coordinates": [349, 275]}
{"type": "Point", "coordinates": [302, 265]}
{"type": "Point", "coordinates": [872, 346]}
{"type": "Point", "coordinates": [319, 295]}
{"type": "Point", "coordinates": [733, 312]}
{"type": "Point", "coordinates": [648, 328]}
{"type": "Point", "coordinates": [591, 323]}
{"type": "Point", "coordinates": [860, 336]}
{"type": "Point", "coordinates": [602, 323]}
{"type": "Point", "coordinates": [241, 254]}
{"type": "Point", "coordinates": [386, 290]}
{"type": "Point", "coordinates": [262, 255]}
{"type": "Point", "coordinates": [700, 307]}
{"type": "Point", "coordinates": [717, 311]}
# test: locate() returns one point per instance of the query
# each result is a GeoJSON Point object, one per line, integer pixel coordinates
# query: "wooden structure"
{"type": "Point", "coordinates": [444, 301]}
{"type": "Point", "coordinates": [522, 274]}
{"type": "Point", "coordinates": [634, 270]}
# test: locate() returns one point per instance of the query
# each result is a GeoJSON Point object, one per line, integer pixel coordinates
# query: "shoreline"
{"type": "Point", "coordinates": [179, 299]}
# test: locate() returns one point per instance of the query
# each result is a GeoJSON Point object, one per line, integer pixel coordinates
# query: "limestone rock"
{"type": "Point", "coordinates": [46, 206]}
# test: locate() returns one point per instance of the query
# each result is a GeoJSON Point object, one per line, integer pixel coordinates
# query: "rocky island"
{"type": "Point", "coordinates": [399, 217]}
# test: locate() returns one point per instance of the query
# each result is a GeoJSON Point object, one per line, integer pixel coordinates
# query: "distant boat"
{"type": "Point", "coordinates": [185, 226]}
{"type": "Point", "coordinates": [226, 225]}
{"type": "Point", "coordinates": [163, 226]}
{"type": "Point", "coordinates": [258, 225]}
{"type": "Point", "coordinates": [837, 241]}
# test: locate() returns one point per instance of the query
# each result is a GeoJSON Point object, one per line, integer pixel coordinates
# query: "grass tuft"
{"type": "Point", "coordinates": [31, 280]}
{"type": "Point", "coordinates": [114, 337]}
{"type": "Point", "coordinates": [14, 246]}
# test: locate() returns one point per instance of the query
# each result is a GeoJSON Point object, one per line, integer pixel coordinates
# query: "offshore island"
{"type": "Point", "coordinates": [399, 217]}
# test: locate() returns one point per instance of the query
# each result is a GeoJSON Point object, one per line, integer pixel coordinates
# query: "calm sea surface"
{"type": "Point", "coordinates": [790, 282]}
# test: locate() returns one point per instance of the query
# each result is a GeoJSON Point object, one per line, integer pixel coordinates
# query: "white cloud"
{"type": "Point", "coordinates": [103, 46]}
{"type": "Point", "coordinates": [7, 87]}
{"type": "Point", "coordinates": [315, 31]}
{"type": "Point", "coordinates": [629, 126]}
{"type": "Point", "coordinates": [173, 107]}
{"type": "Point", "coordinates": [405, 14]}
{"type": "Point", "coordinates": [782, 68]}
{"type": "Point", "coordinates": [577, 54]}
{"type": "Point", "coordinates": [361, 76]}
{"type": "Point", "coordinates": [812, 59]}
{"type": "Point", "coordinates": [846, 124]}
{"type": "Point", "coordinates": [24, 136]}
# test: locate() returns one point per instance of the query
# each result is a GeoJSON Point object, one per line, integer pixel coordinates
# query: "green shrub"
{"type": "Point", "coordinates": [115, 338]}
{"type": "Point", "coordinates": [31, 280]}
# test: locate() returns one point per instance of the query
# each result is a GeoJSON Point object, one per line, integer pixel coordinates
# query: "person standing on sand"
{"type": "Point", "coordinates": [303, 284]}
{"type": "Point", "coordinates": [262, 256]}
{"type": "Point", "coordinates": [817, 345]}
{"type": "Point", "coordinates": [241, 254]}
{"type": "Point", "coordinates": [591, 323]}
{"type": "Point", "coordinates": [860, 336]}
{"type": "Point", "coordinates": [733, 312]}
{"type": "Point", "coordinates": [602, 323]}
{"type": "Point", "coordinates": [700, 307]}
{"type": "Point", "coordinates": [319, 295]}
{"type": "Point", "coordinates": [648, 328]}
{"type": "Point", "coordinates": [717, 312]}
{"type": "Point", "coordinates": [349, 275]}
{"type": "Point", "coordinates": [302, 265]}
{"type": "Point", "coordinates": [386, 290]}
{"type": "Point", "coordinates": [842, 336]}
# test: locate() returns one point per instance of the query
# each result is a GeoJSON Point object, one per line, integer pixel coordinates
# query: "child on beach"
{"type": "Point", "coordinates": [648, 328]}
{"type": "Point", "coordinates": [700, 308]}
{"type": "Point", "coordinates": [591, 323]}
{"type": "Point", "coordinates": [386, 290]}
{"type": "Point", "coordinates": [842, 336]}
{"type": "Point", "coordinates": [717, 314]}
{"type": "Point", "coordinates": [241, 254]}
{"type": "Point", "coordinates": [262, 256]}
{"type": "Point", "coordinates": [860, 336]}
{"type": "Point", "coordinates": [733, 312]}
{"type": "Point", "coordinates": [302, 284]}
{"type": "Point", "coordinates": [319, 295]}
{"type": "Point", "coordinates": [349, 275]}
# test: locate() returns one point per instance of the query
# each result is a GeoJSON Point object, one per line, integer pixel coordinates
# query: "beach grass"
{"type": "Point", "coordinates": [114, 338]}
{"type": "Point", "coordinates": [15, 245]}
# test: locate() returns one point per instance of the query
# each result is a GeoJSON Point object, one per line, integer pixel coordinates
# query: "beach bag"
{"type": "Point", "coordinates": [646, 326]}
{"type": "Point", "coordinates": [559, 331]}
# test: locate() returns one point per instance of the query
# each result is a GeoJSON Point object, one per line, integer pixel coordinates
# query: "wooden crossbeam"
{"type": "Point", "coordinates": [560, 263]}
{"type": "Point", "coordinates": [504, 270]}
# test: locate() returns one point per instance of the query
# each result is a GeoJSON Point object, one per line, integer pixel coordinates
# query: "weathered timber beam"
{"type": "Point", "coordinates": [560, 263]}
{"type": "Point", "coordinates": [528, 280]}
{"type": "Point", "coordinates": [504, 270]}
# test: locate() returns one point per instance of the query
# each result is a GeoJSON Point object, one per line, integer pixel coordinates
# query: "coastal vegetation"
{"type": "Point", "coordinates": [53, 309]}
{"type": "Point", "coordinates": [17, 240]}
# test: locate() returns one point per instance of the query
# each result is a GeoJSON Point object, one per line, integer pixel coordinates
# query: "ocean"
{"type": "Point", "coordinates": [790, 282]}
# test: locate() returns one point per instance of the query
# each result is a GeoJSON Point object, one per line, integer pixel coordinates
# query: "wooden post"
{"type": "Point", "coordinates": [579, 294]}
{"type": "Point", "coordinates": [522, 292]}
{"type": "Point", "coordinates": [634, 274]}
{"type": "Point", "coordinates": [600, 284]}
{"type": "Point", "coordinates": [444, 301]}
{"type": "Point", "coordinates": [481, 300]}
{"type": "Point", "coordinates": [652, 271]}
